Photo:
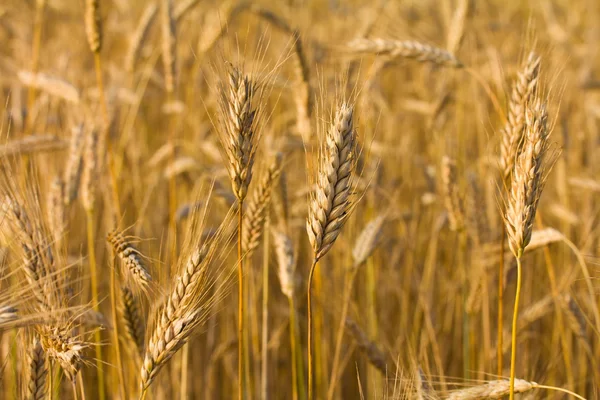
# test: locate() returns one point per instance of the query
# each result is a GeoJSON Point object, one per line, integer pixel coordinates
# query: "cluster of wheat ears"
{"type": "Point", "coordinates": [213, 200]}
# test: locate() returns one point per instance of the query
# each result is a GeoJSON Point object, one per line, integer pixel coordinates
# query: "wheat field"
{"type": "Point", "coordinates": [301, 199]}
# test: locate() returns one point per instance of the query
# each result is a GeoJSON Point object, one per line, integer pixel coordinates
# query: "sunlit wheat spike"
{"type": "Point", "coordinates": [258, 207]}
{"type": "Point", "coordinates": [491, 390]}
{"type": "Point", "coordinates": [74, 164]}
{"type": "Point", "coordinates": [167, 24]}
{"type": "Point", "coordinates": [404, 48]}
{"type": "Point", "coordinates": [452, 198]}
{"type": "Point", "coordinates": [133, 318]}
{"type": "Point", "coordinates": [131, 258]}
{"type": "Point", "coordinates": [89, 179]}
{"type": "Point", "coordinates": [239, 136]}
{"type": "Point", "coordinates": [93, 25]}
{"type": "Point", "coordinates": [528, 180]}
{"type": "Point", "coordinates": [139, 36]}
{"type": "Point", "coordinates": [63, 347]}
{"type": "Point", "coordinates": [368, 240]}
{"type": "Point", "coordinates": [286, 262]}
{"type": "Point", "coordinates": [523, 89]}
{"type": "Point", "coordinates": [38, 371]}
{"type": "Point", "coordinates": [330, 203]}
{"type": "Point", "coordinates": [33, 144]}
{"type": "Point", "coordinates": [185, 308]}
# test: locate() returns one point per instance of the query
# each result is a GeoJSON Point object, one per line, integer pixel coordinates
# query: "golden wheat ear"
{"type": "Point", "coordinates": [330, 204]}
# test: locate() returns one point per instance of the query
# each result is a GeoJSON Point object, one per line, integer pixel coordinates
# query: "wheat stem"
{"type": "Point", "coordinates": [310, 328]}
{"type": "Point", "coordinates": [95, 305]}
{"type": "Point", "coordinates": [265, 314]}
{"type": "Point", "coordinates": [350, 276]}
{"type": "Point", "coordinates": [293, 349]}
{"type": "Point", "coordinates": [501, 302]}
{"type": "Point", "coordinates": [513, 352]}
{"type": "Point", "coordinates": [240, 271]}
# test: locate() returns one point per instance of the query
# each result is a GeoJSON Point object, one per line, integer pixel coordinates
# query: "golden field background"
{"type": "Point", "coordinates": [415, 318]}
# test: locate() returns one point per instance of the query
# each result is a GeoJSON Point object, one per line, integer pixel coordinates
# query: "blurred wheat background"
{"type": "Point", "coordinates": [301, 199]}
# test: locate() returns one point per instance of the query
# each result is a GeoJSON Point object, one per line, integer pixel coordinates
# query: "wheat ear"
{"type": "Point", "coordinates": [38, 371]}
{"type": "Point", "coordinates": [512, 133]}
{"type": "Point", "coordinates": [133, 318]}
{"type": "Point", "coordinates": [135, 267]}
{"type": "Point", "coordinates": [406, 49]}
{"type": "Point", "coordinates": [185, 308]}
{"type": "Point", "coordinates": [258, 207]}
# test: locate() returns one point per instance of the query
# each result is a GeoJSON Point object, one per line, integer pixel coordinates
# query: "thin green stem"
{"type": "Point", "coordinates": [95, 304]}
{"type": "Point", "coordinates": [310, 328]}
{"type": "Point", "coordinates": [513, 352]}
